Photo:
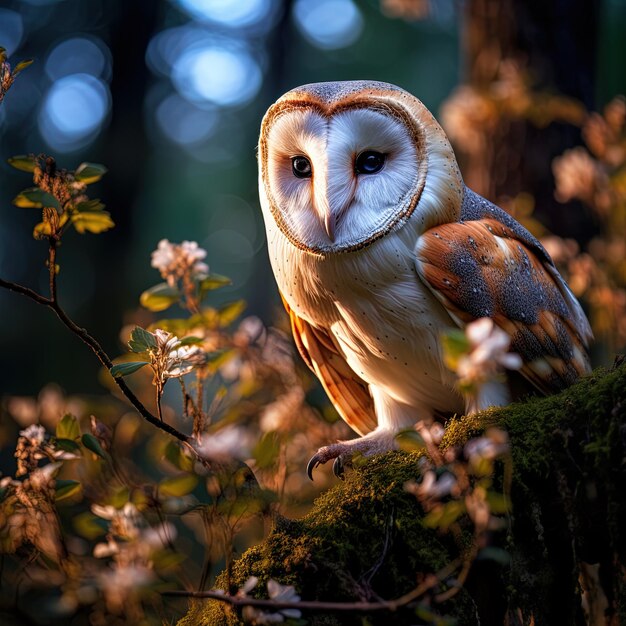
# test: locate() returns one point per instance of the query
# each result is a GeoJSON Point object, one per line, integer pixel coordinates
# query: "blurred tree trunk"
{"type": "Point", "coordinates": [549, 47]}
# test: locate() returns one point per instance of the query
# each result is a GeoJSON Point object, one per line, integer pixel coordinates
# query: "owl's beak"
{"type": "Point", "coordinates": [329, 225]}
{"type": "Point", "coordinates": [325, 214]}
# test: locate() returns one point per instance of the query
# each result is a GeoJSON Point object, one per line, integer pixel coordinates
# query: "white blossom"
{"type": "Point", "coordinates": [103, 550]}
{"type": "Point", "coordinates": [35, 434]}
{"type": "Point", "coordinates": [227, 443]}
{"type": "Point", "coordinates": [278, 593]}
{"type": "Point", "coordinates": [489, 352]}
{"type": "Point", "coordinates": [182, 360]}
{"type": "Point", "coordinates": [175, 261]}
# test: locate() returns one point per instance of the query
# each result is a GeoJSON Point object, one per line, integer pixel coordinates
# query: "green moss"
{"type": "Point", "coordinates": [569, 505]}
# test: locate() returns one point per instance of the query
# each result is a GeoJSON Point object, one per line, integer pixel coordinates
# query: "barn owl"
{"type": "Point", "coordinates": [378, 248]}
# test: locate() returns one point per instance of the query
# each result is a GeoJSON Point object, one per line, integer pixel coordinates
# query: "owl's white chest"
{"type": "Point", "coordinates": [385, 321]}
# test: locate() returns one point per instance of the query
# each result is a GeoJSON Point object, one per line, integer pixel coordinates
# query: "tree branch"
{"type": "Point", "coordinates": [102, 356]}
{"type": "Point", "coordinates": [432, 580]}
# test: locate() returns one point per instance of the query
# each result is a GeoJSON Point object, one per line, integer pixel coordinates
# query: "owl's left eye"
{"type": "Point", "coordinates": [369, 162]}
{"type": "Point", "coordinates": [301, 167]}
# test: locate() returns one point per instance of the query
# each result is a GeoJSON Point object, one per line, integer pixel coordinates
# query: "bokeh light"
{"type": "Point", "coordinates": [328, 24]}
{"type": "Point", "coordinates": [184, 123]}
{"type": "Point", "coordinates": [79, 55]}
{"type": "Point", "coordinates": [232, 13]}
{"type": "Point", "coordinates": [74, 111]}
{"type": "Point", "coordinates": [11, 30]}
{"type": "Point", "coordinates": [224, 76]}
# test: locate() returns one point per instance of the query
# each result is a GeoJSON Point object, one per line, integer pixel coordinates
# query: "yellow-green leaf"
{"type": "Point", "coordinates": [175, 455]}
{"type": "Point", "coordinates": [66, 489]}
{"type": "Point", "coordinates": [178, 485]}
{"type": "Point", "coordinates": [191, 341]}
{"type": "Point", "coordinates": [23, 162]}
{"type": "Point", "coordinates": [213, 281]}
{"type": "Point", "coordinates": [22, 65]}
{"type": "Point", "coordinates": [228, 313]}
{"type": "Point", "coordinates": [455, 345]}
{"type": "Point", "coordinates": [68, 427]}
{"type": "Point", "coordinates": [89, 173]}
{"type": "Point", "coordinates": [159, 297]}
{"type": "Point", "coordinates": [35, 198]}
{"type": "Point", "coordinates": [89, 205]}
{"type": "Point", "coordinates": [42, 230]}
{"type": "Point", "coordinates": [92, 221]}
{"type": "Point", "coordinates": [266, 450]}
{"type": "Point", "coordinates": [89, 526]}
{"type": "Point", "coordinates": [410, 441]}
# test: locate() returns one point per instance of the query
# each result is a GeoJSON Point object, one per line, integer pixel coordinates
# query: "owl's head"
{"type": "Point", "coordinates": [344, 163]}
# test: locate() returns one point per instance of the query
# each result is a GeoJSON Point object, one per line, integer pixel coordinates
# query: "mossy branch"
{"type": "Point", "coordinates": [563, 536]}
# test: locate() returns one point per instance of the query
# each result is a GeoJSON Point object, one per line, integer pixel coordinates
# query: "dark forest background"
{"type": "Point", "coordinates": [169, 95]}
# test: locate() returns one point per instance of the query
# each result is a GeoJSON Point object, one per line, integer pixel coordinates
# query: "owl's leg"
{"type": "Point", "coordinates": [393, 417]}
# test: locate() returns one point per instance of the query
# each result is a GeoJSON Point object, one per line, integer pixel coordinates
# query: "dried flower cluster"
{"type": "Point", "coordinates": [7, 75]}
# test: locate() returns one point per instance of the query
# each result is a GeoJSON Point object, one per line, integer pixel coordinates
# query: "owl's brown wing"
{"type": "Point", "coordinates": [488, 265]}
{"type": "Point", "coordinates": [348, 392]}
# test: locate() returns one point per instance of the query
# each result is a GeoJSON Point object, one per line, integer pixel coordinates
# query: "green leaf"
{"type": "Point", "coordinates": [266, 450]}
{"type": "Point", "coordinates": [176, 326]}
{"type": "Point", "coordinates": [89, 205]}
{"type": "Point", "coordinates": [178, 485]}
{"type": "Point", "coordinates": [68, 428]}
{"type": "Point", "coordinates": [68, 445]}
{"type": "Point", "coordinates": [124, 369]}
{"type": "Point", "coordinates": [191, 341]}
{"type": "Point", "coordinates": [213, 281]}
{"type": "Point", "coordinates": [175, 455]}
{"type": "Point", "coordinates": [35, 198]}
{"type": "Point", "coordinates": [159, 297]}
{"type": "Point", "coordinates": [89, 173]}
{"type": "Point", "coordinates": [141, 340]}
{"type": "Point", "coordinates": [455, 345]}
{"type": "Point", "coordinates": [89, 526]}
{"type": "Point", "coordinates": [498, 502]}
{"type": "Point", "coordinates": [65, 489]}
{"type": "Point", "coordinates": [445, 515]}
{"type": "Point", "coordinates": [228, 313]}
{"type": "Point", "coordinates": [91, 443]}
{"type": "Point", "coordinates": [22, 65]}
{"type": "Point", "coordinates": [410, 441]}
{"type": "Point", "coordinates": [92, 221]}
{"type": "Point", "coordinates": [23, 162]}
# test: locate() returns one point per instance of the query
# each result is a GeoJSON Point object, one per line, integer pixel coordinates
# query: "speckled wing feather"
{"type": "Point", "coordinates": [488, 265]}
{"type": "Point", "coordinates": [347, 391]}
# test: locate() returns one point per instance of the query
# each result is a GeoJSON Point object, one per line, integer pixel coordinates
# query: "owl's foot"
{"type": "Point", "coordinates": [376, 442]}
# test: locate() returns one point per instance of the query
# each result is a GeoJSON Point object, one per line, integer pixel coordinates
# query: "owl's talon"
{"type": "Point", "coordinates": [338, 468]}
{"type": "Point", "coordinates": [312, 464]}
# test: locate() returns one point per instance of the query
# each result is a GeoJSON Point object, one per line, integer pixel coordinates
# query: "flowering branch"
{"type": "Point", "coordinates": [102, 356]}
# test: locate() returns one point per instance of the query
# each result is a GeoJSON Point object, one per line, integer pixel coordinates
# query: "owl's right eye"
{"type": "Point", "coordinates": [301, 167]}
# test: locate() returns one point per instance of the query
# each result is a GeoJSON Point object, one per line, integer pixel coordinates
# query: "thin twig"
{"type": "Point", "coordinates": [432, 580]}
